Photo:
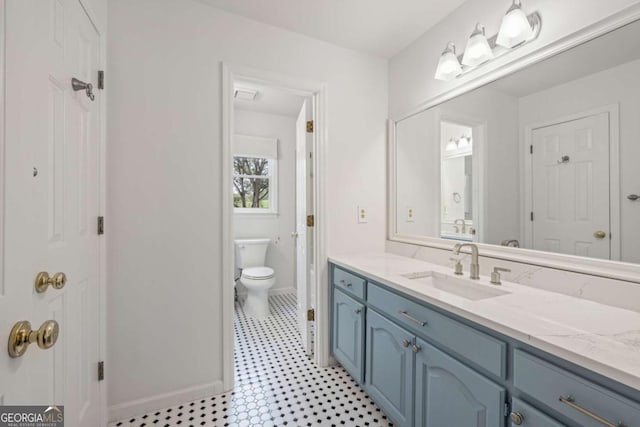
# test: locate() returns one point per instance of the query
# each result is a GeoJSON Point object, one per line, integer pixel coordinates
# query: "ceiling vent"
{"type": "Point", "coordinates": [245, 94]}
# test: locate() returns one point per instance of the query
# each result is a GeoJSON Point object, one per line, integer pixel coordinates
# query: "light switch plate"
{"type": "Point", "coordinates": [363, 215]}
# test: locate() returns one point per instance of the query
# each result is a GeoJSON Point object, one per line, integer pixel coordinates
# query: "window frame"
{"type": "Point", "coordinates": [272, 177]}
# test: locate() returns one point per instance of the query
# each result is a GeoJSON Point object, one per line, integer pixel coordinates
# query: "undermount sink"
{"type": "Point", "coordinates": [465, 288]}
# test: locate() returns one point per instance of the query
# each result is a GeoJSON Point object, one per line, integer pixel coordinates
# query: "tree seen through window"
{"type": "Point", "coordinates": [251, 182]}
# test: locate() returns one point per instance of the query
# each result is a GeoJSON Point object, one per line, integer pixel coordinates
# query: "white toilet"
{"type": "Point", "coordinates": [256, 277]}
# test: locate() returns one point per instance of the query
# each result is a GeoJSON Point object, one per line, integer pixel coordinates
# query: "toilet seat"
{"type": "Point", "coordinates": [258, 273]}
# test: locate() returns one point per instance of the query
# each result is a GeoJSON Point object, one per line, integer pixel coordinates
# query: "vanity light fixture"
{"type": "Point", "coordinates": [478, 50]}
{"type": "Point", "coordinates": [448, 67]}
{"type": "Point", "coordinates": [452, 145]}
{"type": "Point", "coordinates": [515, 28]}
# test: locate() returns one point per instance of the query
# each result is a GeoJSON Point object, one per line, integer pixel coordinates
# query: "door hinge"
{"type": "Point", "coordinates": [531, 149]}
{"type": "Point", "coordinates": [310, 126]}
{"type": "Point", "coordinates": [311, 315]}
{"type": "Point", "coordinates": [311, 221]}
{"type": "Point", "coordinates": [507, 409]}
{"type": "Point", "coordinates": [100, 79]}
{"type": "Point", "coordinates": [101, 371]}
{"type": "Point", "coordinates": [531, 216]}
{"type": "Point", "coordinates": [100, 225]}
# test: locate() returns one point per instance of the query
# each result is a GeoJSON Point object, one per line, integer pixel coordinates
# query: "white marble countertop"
{"type": "Point", "coordinates": [598, 337]}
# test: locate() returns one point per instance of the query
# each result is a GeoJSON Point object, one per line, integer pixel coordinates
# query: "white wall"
{"type": "Point", "coordinates": [595, 91]}
{"type": "Point", "coordinates": [164, 159]}
{"type": "Point", "coordinates": [411, 72]}
{"type": "Point", "coordinates": [281, 252]}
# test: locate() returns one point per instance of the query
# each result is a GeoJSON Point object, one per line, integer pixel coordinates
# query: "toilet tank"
{"type": "Point", "coordinates": [251, 252]}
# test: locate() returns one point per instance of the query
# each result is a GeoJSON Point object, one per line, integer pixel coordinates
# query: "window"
{"type": "Point", "coordinates": [255, 175]}
{"type": "Point", "coordinates": [254, 184]}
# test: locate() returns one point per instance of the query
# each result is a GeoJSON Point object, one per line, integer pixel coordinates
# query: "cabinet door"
{"type": "Point", "coordinates": [449, 393]}
{"type": "Point", "coordinates": [348, 333]}
{"type": "Point", "coordinates": [389, 368]}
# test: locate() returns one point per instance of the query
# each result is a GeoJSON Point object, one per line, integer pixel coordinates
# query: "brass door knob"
{"type": "Point", "coordinates": [517, 418]}
{"type": "Point", "coordinates": [599, 234]}
{"type": "Point", "coordinates": [43, 281]}
{"type": "Point", "coordinates": [22, 335]}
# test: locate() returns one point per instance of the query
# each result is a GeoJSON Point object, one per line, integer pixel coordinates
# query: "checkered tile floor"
{"type": "Point", "coordinates": [276, 384]}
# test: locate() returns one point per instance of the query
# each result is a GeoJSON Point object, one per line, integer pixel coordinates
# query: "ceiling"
{"type": "Point", "coordinates": [379, 27]}
{"type": "Point", "coordinates": [269, 100]}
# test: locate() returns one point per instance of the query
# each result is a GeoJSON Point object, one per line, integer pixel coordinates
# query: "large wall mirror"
{"type": "Point", "coordinates": [546, 158]}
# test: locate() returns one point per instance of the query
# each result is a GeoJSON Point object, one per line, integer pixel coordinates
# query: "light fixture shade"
{"type": "Point", "coordinates": [451, 145]}
{"type": "Point", "coordinates": [448, 67]}
{"type": "Point", "coordinates": [515, 27]}
{"type": "Point", "coordinates": [478, 50]}
{"type": "Point", "coordinates": [463, 142]}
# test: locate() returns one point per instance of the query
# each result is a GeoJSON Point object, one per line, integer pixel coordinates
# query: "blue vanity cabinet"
{"type": "Point", "coordinates": [448, 393]}
{"type": "Point", "coordinates": [390, 368]}
{"type": "Point", "coordinates": [427, 367]}
{"type": "Point", "coordinates": [348, 333]}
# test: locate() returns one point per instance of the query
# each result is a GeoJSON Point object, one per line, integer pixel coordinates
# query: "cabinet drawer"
{"type": "Point", "coordinates": [525, 415]}
{"type": "Point", "coordinates": [348, 282]}
{"type": "Point", "coordinates": [479, 348]}
{"type": "Point", "coordinates": [575, 397]}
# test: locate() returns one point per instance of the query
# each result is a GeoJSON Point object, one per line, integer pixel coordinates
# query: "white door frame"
{"type": "Point", "coordinates": [614, 173]}
{"type": "Point", "coordinates": [302, 87]}
{"type": "Point", "coordinates": [102, 208]}
{"type": "Point", "coordinates": [479, 154]}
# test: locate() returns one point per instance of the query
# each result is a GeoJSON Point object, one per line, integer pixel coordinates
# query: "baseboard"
{"type": "Point", "coordinates": [276, 291]}
{"type": "Point", "coordinates": [161, 401]}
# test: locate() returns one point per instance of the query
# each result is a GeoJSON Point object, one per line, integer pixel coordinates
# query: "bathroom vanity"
{"type": "Point", "coordinates": [436, 349]}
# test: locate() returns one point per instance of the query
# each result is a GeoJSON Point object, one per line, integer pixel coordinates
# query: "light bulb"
{"type": "Point", "coordinates": [448, 66]}
{"type": "Point", "coordinates": [478, 50]}
{"type": "Point", "coordinates": [515, 27]}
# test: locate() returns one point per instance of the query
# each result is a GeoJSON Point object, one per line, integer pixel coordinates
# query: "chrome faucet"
{"type": "Point", "coordinates": [463, 227]}
{"type": "Point", "coordinates": [474, 268]}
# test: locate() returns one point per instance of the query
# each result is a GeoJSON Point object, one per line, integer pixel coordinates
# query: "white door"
{"type": "Point", "coordinates": [303, 208]}
{"type": "Point", "coordinates": [570, 194]}
{"type": "Point", "coordinates": [51, 203]}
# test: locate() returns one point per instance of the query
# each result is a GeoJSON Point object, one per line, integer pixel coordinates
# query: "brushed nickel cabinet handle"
{"type": "Point", "coordinates": [358, 311]}
{"type": "Point", "coordinates": [571, 402]}
{"type": "Point", "coordinates": [416, 348]}
{"type": "Point", "coordinates": [406, 343]}
{"type": "Point", "coordinates": [410, 317]}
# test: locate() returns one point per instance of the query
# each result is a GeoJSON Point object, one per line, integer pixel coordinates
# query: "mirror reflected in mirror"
{"type": "Point", "coordinates": [545, 158]}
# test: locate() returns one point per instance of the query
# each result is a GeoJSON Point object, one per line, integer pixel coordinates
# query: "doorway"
{"type": "Point", "coordinates": [301, 237]}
